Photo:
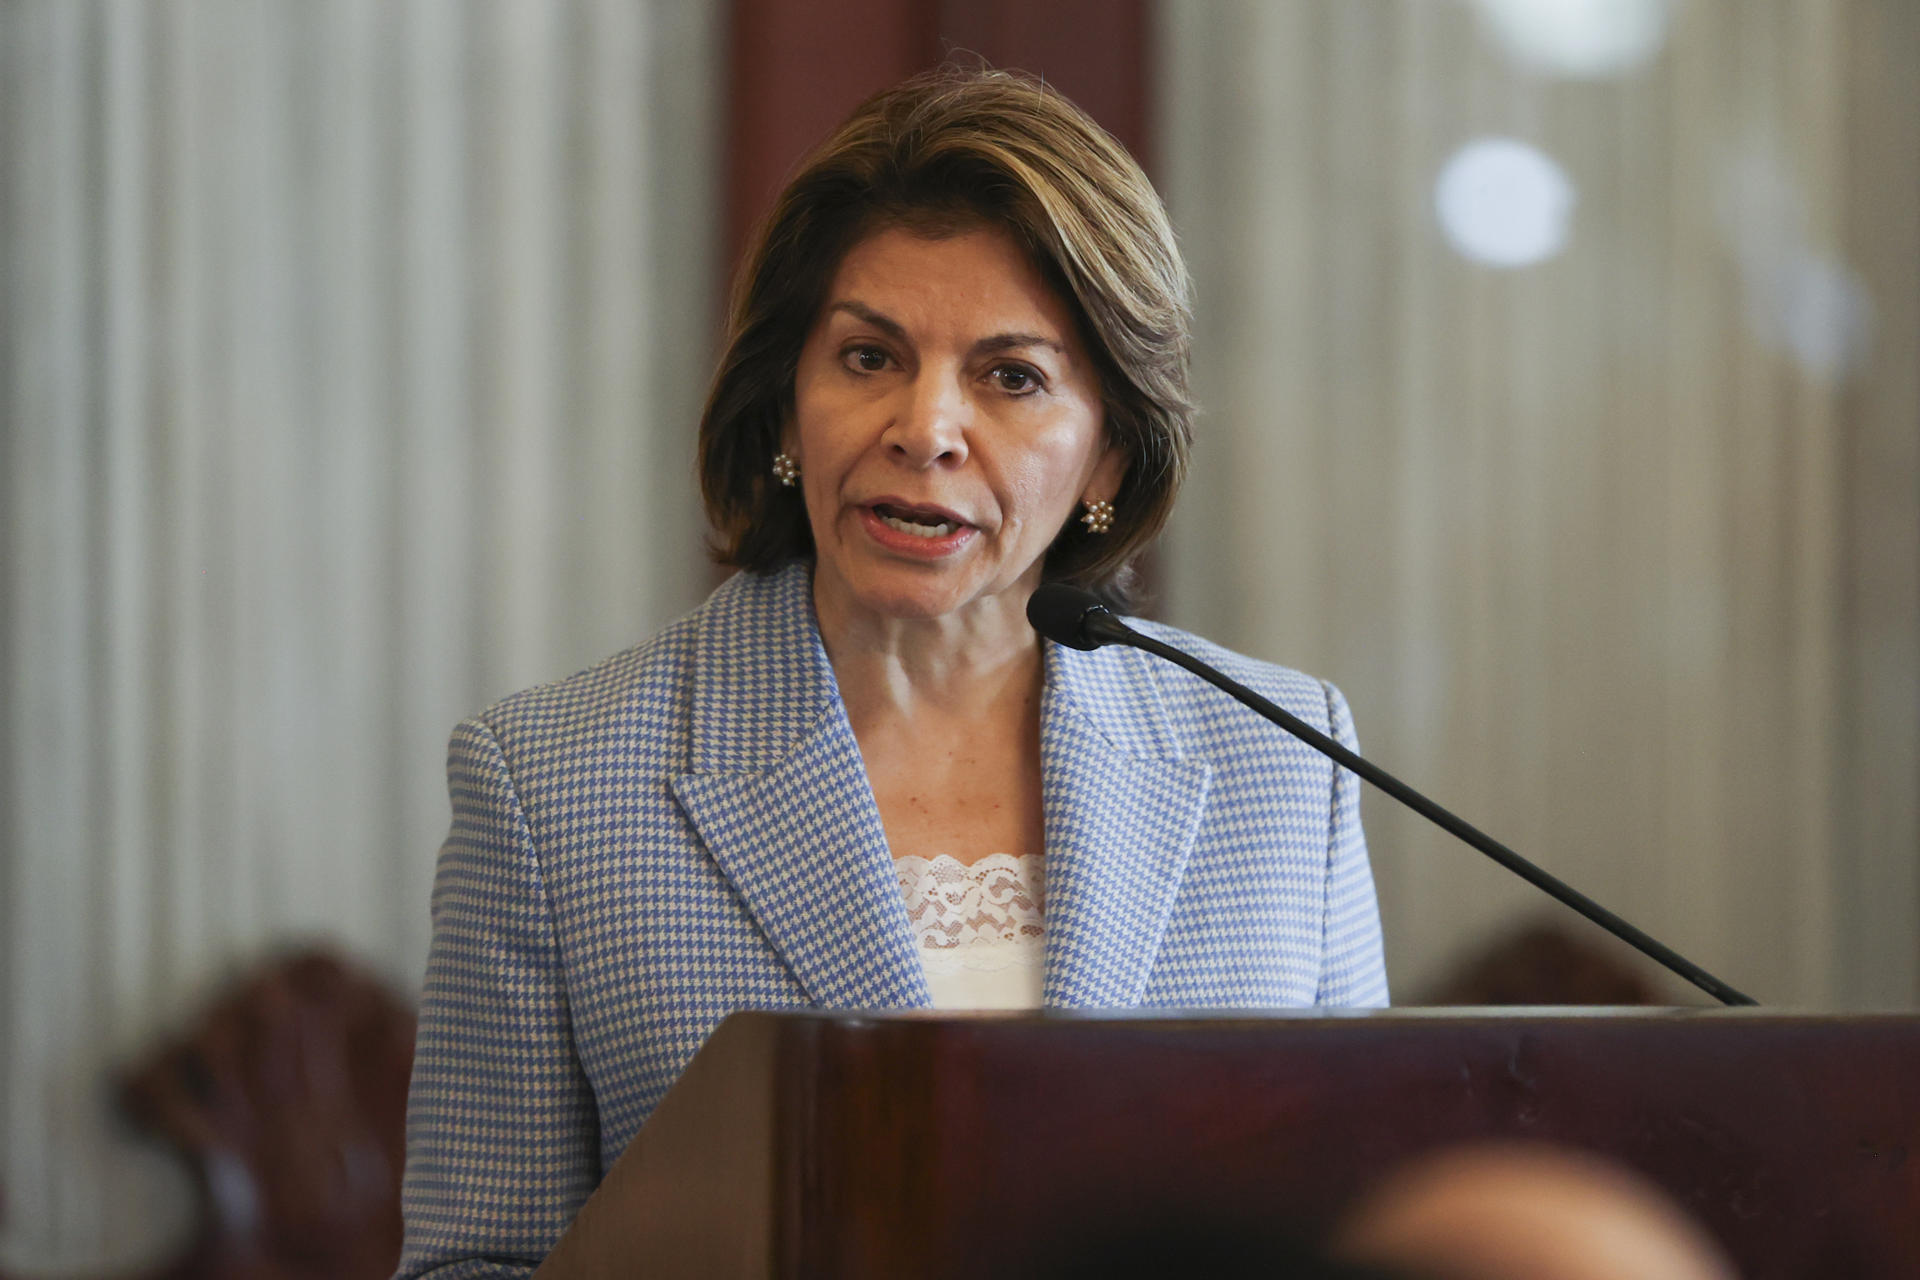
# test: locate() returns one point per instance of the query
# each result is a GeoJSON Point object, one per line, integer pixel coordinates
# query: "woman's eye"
{"type": "Point", "coordinates": [1015, 378]}
{"type": "Point", "coordinates": [866, 359]}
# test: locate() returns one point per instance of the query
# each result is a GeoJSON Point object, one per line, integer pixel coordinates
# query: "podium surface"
{"type": "Point", "coordinates": [849, 1144]}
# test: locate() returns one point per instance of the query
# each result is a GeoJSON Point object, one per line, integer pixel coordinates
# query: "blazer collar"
{"type": "Point", "coordinates": [762, 681]}
{"type": "Point", "coordinates": [779, 794]}
{"type": "Point", "coordinates": [1123, 810]}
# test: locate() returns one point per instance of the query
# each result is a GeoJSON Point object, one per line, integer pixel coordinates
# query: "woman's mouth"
{"type": "Point", "coordinates": [916, 530]}
{"type": "Point", "coordinates": [918, 522]}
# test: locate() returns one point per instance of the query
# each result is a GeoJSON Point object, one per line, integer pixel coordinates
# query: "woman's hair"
{"type": "Point", "coordinates": [946, 152]}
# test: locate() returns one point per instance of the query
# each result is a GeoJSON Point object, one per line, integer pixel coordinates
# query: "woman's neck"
{"type": "Point", "coordinates": [947, 714]}
{"type": "Point", "coordinates": [959, 665]}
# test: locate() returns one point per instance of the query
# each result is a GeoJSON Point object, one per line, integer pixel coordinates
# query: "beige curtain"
{"type": "Point", "coordinates": [1614, 553]}
{"type": "Point", "coordinates": [352, 354]}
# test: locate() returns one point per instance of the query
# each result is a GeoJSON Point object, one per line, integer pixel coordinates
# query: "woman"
{"type": "Point", "coordinates": [957, 367]}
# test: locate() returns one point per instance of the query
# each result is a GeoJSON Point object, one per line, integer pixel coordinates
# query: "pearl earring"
{"type": "Point", "coordinates": [786, 469]}
{"type": "Point", "coordinates": [1098, 516]}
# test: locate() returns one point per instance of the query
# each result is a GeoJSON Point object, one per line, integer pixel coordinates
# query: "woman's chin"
{"type": "Point", "coordinates": [913, 606]}
{"type": "Point", "coordinates": [917, 596]}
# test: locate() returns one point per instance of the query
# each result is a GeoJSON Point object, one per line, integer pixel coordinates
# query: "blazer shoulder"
{"type": "Point", "coordinates": [632, 706]}
{"type": "Point", "coordinates": [1211, 717]}
{"type": "Point", "coordinates": [736, 670]}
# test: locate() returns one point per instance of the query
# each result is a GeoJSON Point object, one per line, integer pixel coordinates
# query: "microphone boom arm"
{"type": "Point", "coordinates": [1108, 629]}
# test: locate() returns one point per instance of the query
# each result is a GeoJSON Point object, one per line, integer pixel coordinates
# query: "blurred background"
{"type": "Point", "coordinates": [1560, 403]}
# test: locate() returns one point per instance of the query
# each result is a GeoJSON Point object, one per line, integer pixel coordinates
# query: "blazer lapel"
{"type": "Point", "coordinates": [780, 798]}
{"type": "Point", "coordinates": [1122, 813]}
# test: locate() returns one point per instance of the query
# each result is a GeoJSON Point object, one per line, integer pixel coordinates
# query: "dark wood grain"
{"type": "Point", "coordinates": [907, 1144]}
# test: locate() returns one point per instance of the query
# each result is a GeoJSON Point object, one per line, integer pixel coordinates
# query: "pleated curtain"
{"type": "Point", "coordinates": [353, 353]}
{"type": "Point", "coordinates": [1614, 553]}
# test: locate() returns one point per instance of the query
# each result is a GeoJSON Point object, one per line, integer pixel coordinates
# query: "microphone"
{"type": "Point", "coordinates": [1075, 618]}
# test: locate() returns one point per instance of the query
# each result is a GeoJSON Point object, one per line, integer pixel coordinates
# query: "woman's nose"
{"type": "Point", "coordinates": [931, 426]}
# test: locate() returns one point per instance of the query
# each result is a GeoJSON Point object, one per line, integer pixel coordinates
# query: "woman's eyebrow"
{"type": "Point", "coordinates": [986, 346]}
{"type": "Point", "coordinates": [867, 315]}
{"type": "Point", "coordinates": [1014, 341]}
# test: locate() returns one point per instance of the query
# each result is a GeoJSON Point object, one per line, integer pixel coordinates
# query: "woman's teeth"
{"type": "Point", "coordinates": [938, 530]}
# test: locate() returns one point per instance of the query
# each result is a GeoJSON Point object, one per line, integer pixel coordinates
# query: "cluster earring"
{"type": "Point", "coordinates": [1098, 516]}
{"type": "Point", "coordinates": [786, 469]}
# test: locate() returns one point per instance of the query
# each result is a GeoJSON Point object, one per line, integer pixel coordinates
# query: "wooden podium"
{"type": "Point", "coordinates": [888, 1145]}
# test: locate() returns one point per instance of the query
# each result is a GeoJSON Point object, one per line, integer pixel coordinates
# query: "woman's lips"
{"type": "Point", "coordinates": [915, 529]}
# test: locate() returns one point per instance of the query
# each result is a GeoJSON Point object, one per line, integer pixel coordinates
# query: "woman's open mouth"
{"type": "Point", "coordinates": [918, 521]}
{"type": "Point", "coordinates": [915, 529]}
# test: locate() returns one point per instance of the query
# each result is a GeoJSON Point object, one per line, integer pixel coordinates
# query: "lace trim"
{"type": "Point", "coordinates": [956, 907]}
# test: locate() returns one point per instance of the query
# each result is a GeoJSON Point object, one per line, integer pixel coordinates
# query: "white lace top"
{"type": "Point", "coordinates": [980, 928]}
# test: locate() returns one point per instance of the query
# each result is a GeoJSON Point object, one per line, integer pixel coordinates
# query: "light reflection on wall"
{"type": "Point", "coordinates": [1504, 203]}
{"type": "Point", "coordinates": [1799, 298]}
{"type": "Point", "coordinates": [1583, 39]}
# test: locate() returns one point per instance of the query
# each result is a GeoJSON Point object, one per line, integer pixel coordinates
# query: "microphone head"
{"type": "Point", "coordinates": [1062, 613]}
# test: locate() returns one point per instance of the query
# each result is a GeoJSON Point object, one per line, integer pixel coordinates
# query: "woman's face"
{"type": "Point", "coordinates": [947, 422]}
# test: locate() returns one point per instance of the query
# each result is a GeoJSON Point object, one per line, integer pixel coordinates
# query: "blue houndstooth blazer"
{"type": "Point", "coordinates": [687, 829]}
